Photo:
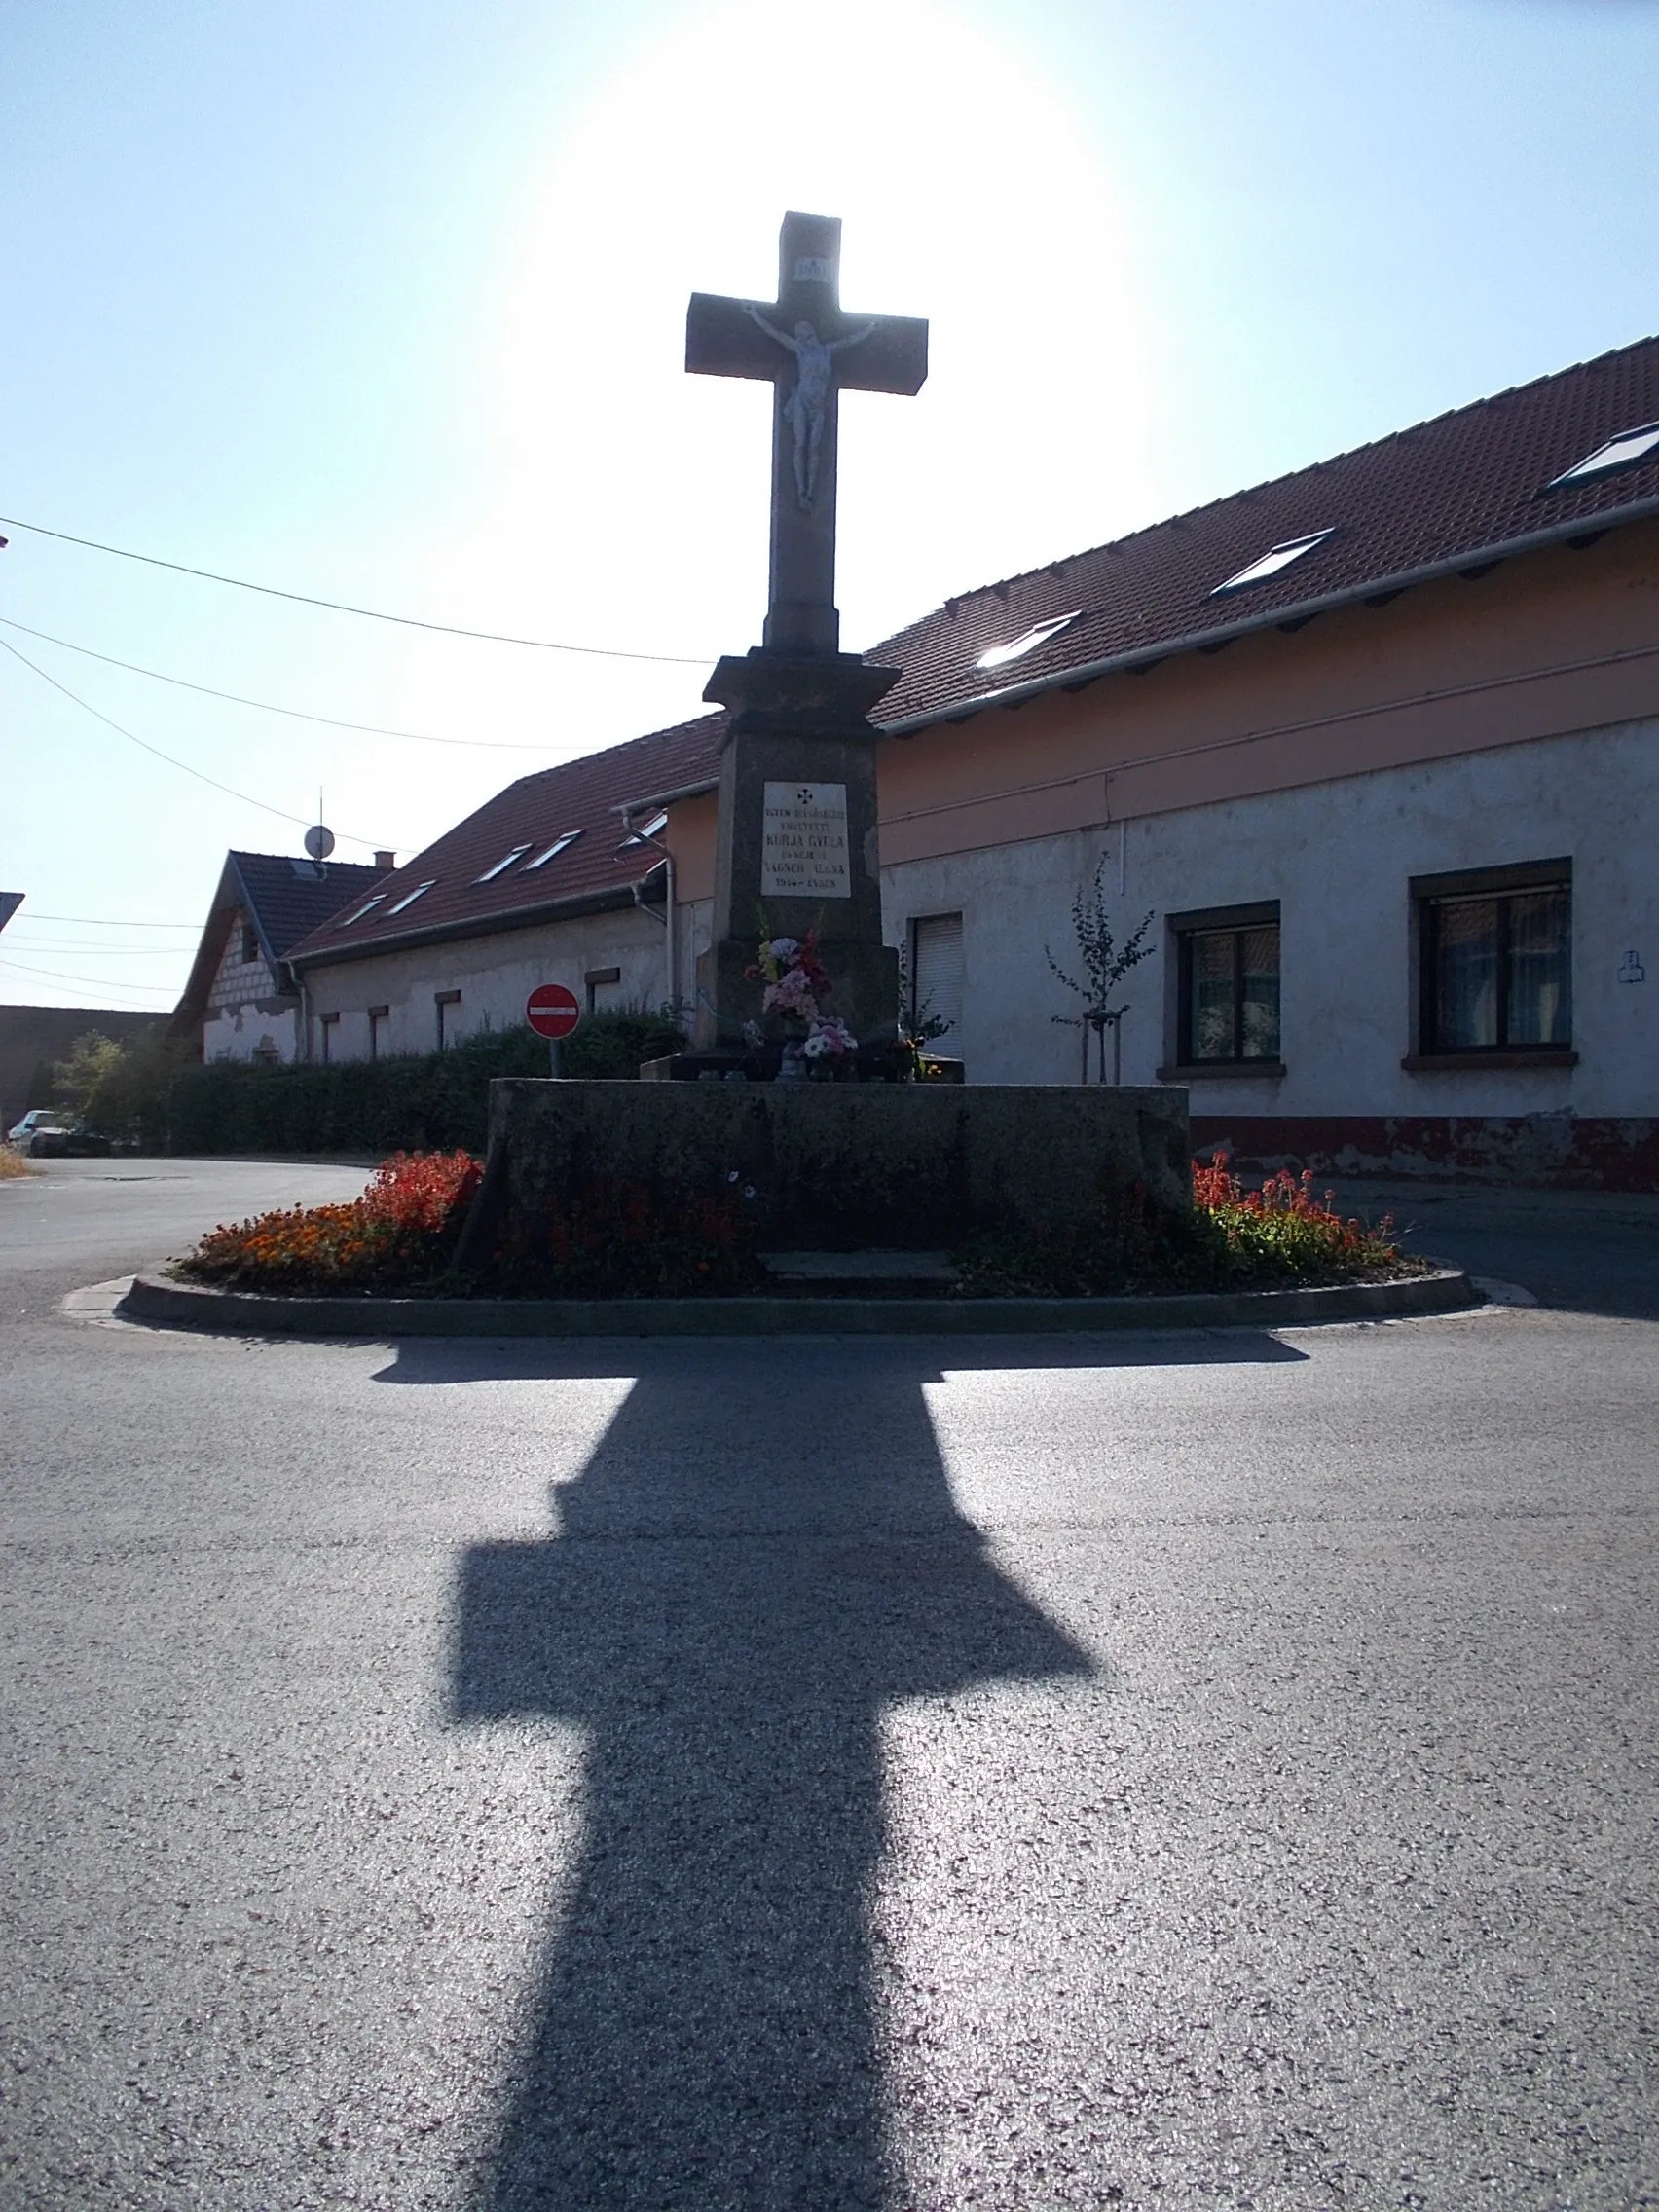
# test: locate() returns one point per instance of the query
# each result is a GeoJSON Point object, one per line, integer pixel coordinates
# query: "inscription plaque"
{"type": "Point", "coordinates": [806, 855]}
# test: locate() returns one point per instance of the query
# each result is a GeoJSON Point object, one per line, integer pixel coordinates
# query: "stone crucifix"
{"type": "Point", "coordinates": [810, 351]}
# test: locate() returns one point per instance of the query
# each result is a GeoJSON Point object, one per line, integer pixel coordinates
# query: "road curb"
{"type": "Point", "coordinates": [195, 1306]}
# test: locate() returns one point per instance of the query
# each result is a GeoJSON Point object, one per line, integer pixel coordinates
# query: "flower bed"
{"type": "Point", "coordinates": [397, 1236]}
{"type": "Point", "coordinates": [1272, 1237]}
{"type": "Point", "coordinates": [632, 1241]}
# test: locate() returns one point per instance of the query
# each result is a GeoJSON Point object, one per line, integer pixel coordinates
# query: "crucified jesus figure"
{"type": "Point", "coordinates": [805, 407]}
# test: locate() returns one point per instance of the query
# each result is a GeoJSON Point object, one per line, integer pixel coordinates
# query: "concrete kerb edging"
{"type": "Point", "coordinates": [194, 1306]}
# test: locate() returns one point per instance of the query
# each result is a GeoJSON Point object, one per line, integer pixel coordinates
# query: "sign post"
{"type": "Point", "coordinates": [552, 1012]}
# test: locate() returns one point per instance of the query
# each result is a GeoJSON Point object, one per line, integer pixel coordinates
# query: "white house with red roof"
{"type": "Point", "coordinates": [551, 881]}
{"type": "Point", "coordinates": [1376, 746]}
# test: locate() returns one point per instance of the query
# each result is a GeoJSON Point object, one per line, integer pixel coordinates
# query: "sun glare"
{"type": "Point", "coordinates": [628, 500]}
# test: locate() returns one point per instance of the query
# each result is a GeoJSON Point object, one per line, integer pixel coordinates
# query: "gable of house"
{"type": "Point", "coordinates": [263, 905]}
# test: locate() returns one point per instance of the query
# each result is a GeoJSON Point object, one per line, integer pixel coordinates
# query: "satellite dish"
{"type": "Point", "coordinates": [320, 843]}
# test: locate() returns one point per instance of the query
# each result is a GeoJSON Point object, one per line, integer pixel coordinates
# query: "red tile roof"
{"type": "Point", "coordinates": [1455, 492]}
{"type": "Point", "coordinates": [596, 871]}
{"type": "Point", "coordinates": [286, 896]}
{"type": "Point", "coordinates": [1447, 490]}
{"type": "Point", "coordinates": [283, 896]}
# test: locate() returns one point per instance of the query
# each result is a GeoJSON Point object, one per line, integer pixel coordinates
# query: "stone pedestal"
{"type": "Point", "coordinates": [840, 1166]}
{"type": "Point", "coordinates": [796, 842]}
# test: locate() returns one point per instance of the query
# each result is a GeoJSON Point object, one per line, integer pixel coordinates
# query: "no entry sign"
{"type": "Point", "coordinates": [552, 1011]}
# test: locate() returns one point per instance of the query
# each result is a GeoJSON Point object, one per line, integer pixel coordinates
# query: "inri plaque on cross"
{"type": "Point", "coordinates": [810, 349]}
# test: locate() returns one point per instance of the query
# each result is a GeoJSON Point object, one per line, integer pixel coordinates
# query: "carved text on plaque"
{"type": "Point", "coordinates": [804, 852]}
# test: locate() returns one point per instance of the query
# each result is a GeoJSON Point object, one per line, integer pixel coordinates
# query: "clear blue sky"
{"type": "Point", "coordinates": [384, 303]}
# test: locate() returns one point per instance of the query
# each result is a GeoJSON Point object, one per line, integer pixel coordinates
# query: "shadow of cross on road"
{"type": "Point", "coordinates": [761, 1553]}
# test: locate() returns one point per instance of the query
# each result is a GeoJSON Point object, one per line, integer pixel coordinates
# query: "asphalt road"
{"type": "Point", "coordinates": [1165, 1771]}
{"type": "Point", "coordinates": [1584, 1251]}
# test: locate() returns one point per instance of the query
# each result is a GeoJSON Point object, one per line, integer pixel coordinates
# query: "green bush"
{"type": "Point", "coordinates": [613, 1046]}
{"type": "Point", "coordinates": [438, 1102]}
{"type": "Point", "coordinates": [119, 1088]}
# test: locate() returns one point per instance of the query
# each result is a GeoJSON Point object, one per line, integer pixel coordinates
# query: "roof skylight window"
{"type": "Point", "coordinates": [502, 864]}
{"type": "Point", "coordinates": [551, 852]}
{"type": "Point", "coordinates": [367, 905]}
{"type": "Point", "coordinates": [1622, 452]}
{"type": "Point", "coordinates": [1015, 648]}
{"type": "Point", "coordinates": [1275, 558]}
{"type": "Point", "coordinates": [409, 897]}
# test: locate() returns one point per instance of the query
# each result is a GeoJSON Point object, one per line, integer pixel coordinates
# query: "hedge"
{"type": "Point", "coordinates": [437, 1103]}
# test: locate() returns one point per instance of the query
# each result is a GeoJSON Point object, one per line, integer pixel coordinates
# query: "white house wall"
{"type": "Point", "coordinates": [248, 1016]}
{"type": "Point", "coordinates": [1339, 858]}
{"type": "Point", "coordinates": [253, 1029]}
{"type": "Point", "coordinates": [494, 973]}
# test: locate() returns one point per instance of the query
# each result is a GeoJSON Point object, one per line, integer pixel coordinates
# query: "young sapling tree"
{"type": "Point", "coordinates": [1104, 963]}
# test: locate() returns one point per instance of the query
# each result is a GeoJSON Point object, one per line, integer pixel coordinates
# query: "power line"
{"type": "Point", "coordinates": [296, 713]}
{"type": "Point", "coordinates": [99, 922]}
{"type": "Point", "coordinates": [109, 952]}
{"type": "Point", "coordinates": [339, 607]}
{"type": "Point", "coordinates": [145, 746]}
{"type": "Point", "coordinates": [97, 982]}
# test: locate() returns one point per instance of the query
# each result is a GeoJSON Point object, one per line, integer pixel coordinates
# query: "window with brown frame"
{"type": "Point", "coordinates": [1495, 951]}
{"type": "Point", "coordinates": [1227, 987]}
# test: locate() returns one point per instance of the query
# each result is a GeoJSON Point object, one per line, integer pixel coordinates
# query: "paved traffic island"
{"type": "Point", "coordinates": [154, 1298]}
{"type": "Point", "coordinates": [616, 1255]}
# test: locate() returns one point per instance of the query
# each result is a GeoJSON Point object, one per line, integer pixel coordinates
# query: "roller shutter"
{"type": "Point", "coordinates": [938, 969]}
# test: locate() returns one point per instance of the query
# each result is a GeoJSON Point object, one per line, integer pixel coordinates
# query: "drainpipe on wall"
{"type": "Point", "coordinates": [305, 1021]}
{"type": "Point", "coordinates": [671, 949]}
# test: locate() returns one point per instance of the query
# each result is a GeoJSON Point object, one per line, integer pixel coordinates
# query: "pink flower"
{"type": "Point", "coordinates": [829, 1038]}
{"type": "Point", "coordinates": [791, 994]}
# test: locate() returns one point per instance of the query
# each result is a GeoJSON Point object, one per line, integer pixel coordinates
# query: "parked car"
{"type": "Point", "coordinates": [66, 1140]}
{"type": "Point", "coordinates": [36, 1119]}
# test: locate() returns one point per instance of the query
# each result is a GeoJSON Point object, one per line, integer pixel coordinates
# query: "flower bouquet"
{"type": "Point", "coordinates": [795, 988]}
{"type": "Point", "coordinates": [831, 1047]}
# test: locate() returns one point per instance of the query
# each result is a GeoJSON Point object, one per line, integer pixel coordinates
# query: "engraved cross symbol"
{"type": "Point", "coordinates": [810, 350]}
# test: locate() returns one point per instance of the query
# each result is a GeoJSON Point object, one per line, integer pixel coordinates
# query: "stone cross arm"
{"type": "Point", "coordinates": [809, 350]}
{"type": "Point", "coordinates": [735, 338]}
